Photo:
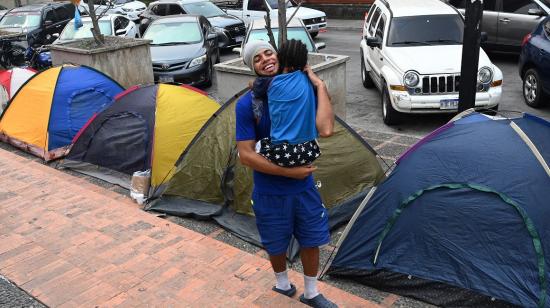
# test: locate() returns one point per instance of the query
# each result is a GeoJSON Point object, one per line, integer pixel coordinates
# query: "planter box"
{"type": "Point", "coordinates": [233, 76]}
{"type": "Point", "coordinates": [126, 60]}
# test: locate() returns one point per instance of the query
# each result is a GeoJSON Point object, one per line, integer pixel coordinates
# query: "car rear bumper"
{"type": "Point", "coordinates": [404, 102]}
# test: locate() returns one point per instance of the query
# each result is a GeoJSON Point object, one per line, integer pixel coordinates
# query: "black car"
{"type": "Point", "coordinates": [183, 49]}
{"type": "Point", "coordinates": [38, 23]}
{"type": "Point", "coordinates": [232, 27]}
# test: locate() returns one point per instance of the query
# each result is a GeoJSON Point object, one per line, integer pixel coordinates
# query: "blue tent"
{"type": "Point", "coordinates": [463, 220]}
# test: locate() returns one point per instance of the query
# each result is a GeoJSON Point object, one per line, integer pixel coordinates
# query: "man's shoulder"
{"type": "Point", "coordinates": [245, 100]}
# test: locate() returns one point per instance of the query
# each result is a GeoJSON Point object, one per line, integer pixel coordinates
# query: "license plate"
{"type": "Point", "coordinates": [239, 39]}
{"type": "Point", "coordinates": [166, 79]}
{"type": "Point", "coordinates": [448, 103]}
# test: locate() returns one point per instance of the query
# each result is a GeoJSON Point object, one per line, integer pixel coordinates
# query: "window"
{"type": "Point", "coordinates": [369, 15]}
{"type": "Point", "coordinates": [256, 5]}
{"type": "Point", "coordinates": [547, 29]}
{"type": "Point", "coordinates": [49, 15]}
{"type": "Point", "coordinates": [121, 23]}
{"type": "Point", "coordinates": [174, 9]}
{"type": "Point", "coordinates": [518, 6]}
{"type": "Point", "coordinates": [488, 5]}
{"type": "Point", "coordinates": [62, 13]}
{"type": "Point", "coordinates": [173, 33]}
{"type": "Point", "coordinates": [373, 21]}
{"type": "Point", "coordinates": [426, 30]}
{"type": "Point", "coordinates": [156, 10]}
{"type": "Point", "coordinates": [381, 27]}
{"type": "Point", "coordinates": [206, 9]}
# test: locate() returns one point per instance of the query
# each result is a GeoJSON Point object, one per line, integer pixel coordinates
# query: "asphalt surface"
{"type": "Point", "coordinates": [364, 115]}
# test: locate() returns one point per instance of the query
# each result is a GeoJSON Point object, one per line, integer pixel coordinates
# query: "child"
{"type": "Point", "coordinates": [292, 107]}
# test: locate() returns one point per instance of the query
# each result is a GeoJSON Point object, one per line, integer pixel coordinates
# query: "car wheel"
{"type": "Point", "coordinates": [314, 34]}
{"type": "Point", "coordinates": [365, 78]}
{"type": "Point", "coordinates": [532, 89]}
{"type": "Point", "coordinates": [389, 115]}
{"type": "Point", "coordinates": [208, 79]}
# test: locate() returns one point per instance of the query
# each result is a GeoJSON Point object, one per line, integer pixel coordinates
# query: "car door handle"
{"type": "Point", "coordinates": [505, 20]}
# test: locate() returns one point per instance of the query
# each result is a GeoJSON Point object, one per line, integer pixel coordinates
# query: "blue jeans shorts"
{"type": "Point", "coordinates": [278, 217]}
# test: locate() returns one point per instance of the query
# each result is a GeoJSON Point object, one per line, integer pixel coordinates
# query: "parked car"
{"type": "Point", "coordinates": [183, 49]}
{"type": "Point", "coordinates": [232, 27]}
{"type": "Point", "coordinates": [129, 8]}
{"type": "Point", "coordinates": [506, 22]}
{"type": "Point", "coordinates": [295, 30]}
{"type": "Point", "coordinates": [412, 53]}
{"type": "Point", "coordinates": [117, 25]}
{"type": "Point", "coordinates": [3, 10]}
{"type": "Point", "coordinates": [249, 10]}
{"type": "Point", "coordinates": [534, 66]}
{"type": "Point", "coordinates": [38, 22]}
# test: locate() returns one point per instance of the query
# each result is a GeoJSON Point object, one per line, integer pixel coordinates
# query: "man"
{"type": "Point", "coordinates": [285, 200]}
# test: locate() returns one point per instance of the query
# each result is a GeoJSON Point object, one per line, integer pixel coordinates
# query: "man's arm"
{"type": "Point", "coordinates": [325, 116]}
{"type": "Point", "coordinates": [250, 158]}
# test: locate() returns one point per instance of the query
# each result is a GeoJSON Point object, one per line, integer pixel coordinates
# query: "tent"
{"type": "Point", "coordinates": [10, 82]}
{"type": "Point", "coordinates": [147, 127]}
{"type": "Point", "coordinates": [209, 181]}
{"type": "Point", "coordinates": [52, 106]}
{"type": "Point", "coordinates": [463, 218]}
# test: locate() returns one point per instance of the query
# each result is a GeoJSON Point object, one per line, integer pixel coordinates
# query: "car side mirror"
{"type": "Point", "coordinates": [374, 42]}
{"type": "Point", "coordinates": [48, 23]}
{"type": "Point", "coordinates": [536, 12]}
{"type": "Point", "coordinates": [211, 36]}
{"type": "Point", "coordinates": [120, 32]}
{"type": "Point", "coordinates": [484, 37]}
{"type": "Point", "coordinates": [320, 45]}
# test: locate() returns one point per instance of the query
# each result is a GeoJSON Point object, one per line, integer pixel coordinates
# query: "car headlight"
{"type": "Point", "coordinates": [484, 75]}
{"type": "Point", "coordinates": [411, 79]}
{"type": "Point", "coordinates": [323, 19]}
{"type": "Point", "coordinates": [198, 61]}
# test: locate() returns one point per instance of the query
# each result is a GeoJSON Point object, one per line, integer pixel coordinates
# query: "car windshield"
{"type": "Point", "coordinates": [206, 9]}
{"type": "Point", "coordinates": [292, 33]}
{"type": "Point", "coordinates": [426, 30]}
{"type": "Point", "coordinates": [69, 33]}
{"type": "Point", "coordinates": [173, 33]}
{"type": "Point", "coordinates": [21, 20]}
{"type": "Point", "coordinates": [274, 4]}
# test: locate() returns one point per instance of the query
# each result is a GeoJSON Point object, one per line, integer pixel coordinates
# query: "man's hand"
{"type": "Point", "coordinates": [301, 172]}
{"type": "Point", "coordinates": [315, 80]}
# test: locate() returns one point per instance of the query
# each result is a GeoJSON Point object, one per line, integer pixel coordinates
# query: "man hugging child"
{"type": "Point", "coordinates": [292, 107]}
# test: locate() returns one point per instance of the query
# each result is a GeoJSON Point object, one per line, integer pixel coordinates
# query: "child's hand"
{"type": "Point", "coordinates": [315, 80]}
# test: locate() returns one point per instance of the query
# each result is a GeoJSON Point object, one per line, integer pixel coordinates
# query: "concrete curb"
{"type": "Point", "coordinates": [343, 28]}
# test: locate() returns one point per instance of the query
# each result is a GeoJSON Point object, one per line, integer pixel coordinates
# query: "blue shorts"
{"type": "Point", "coordinates": [278, 217]}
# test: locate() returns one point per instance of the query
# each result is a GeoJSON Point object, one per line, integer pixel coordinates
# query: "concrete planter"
{"type": "Point", "coordinates": [126, 60]}
{"type": "Point", "coordinates": [233, 75]}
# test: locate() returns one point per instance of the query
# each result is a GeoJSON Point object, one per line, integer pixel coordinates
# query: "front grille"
{"type": "Point", "coordinates": [236, 30]}
{"type": "Point", "coordinates": [440, 84]}
{"type": "Point", "coordinates": [312, 21]}
{"type": "Point", "coordinates": [162, 67]}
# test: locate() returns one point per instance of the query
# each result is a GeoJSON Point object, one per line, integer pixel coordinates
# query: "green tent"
{"type": "Point", "coordinates": [210, 182]}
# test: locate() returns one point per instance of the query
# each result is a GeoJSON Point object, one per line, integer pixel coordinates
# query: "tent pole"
{"type": "Point", "coordinates": [347, 229]}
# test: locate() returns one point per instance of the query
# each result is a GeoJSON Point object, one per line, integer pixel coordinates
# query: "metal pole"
{"type": "Point", "coordinates": [470, 54]}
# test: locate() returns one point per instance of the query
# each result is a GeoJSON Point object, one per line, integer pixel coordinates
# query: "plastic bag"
{"type": "Point", "coordinates": [139, 186]}
{"type": "Point", "coordinates": [77, 19]}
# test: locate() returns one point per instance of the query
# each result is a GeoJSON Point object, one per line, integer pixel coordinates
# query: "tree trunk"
{"type": "Point", "coordinates": [282, 22]}
{"type": "Point", "coordinates": [98, 37]}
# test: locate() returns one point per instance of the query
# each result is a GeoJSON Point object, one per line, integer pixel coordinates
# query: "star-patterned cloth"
{"type": "Point", "coordinates": [289, 155]}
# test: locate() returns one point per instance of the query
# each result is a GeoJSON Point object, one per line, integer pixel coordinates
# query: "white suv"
{"type": "Point", "coordinates": [412, 50]}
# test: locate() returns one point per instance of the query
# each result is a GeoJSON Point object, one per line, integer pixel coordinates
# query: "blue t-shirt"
{"type": "Point", "coordinates": [292, 107]}
{"type": "Point", "coordinates": [247, 128]}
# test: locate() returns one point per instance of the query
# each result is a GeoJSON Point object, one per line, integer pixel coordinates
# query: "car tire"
{"type": "Point", "coordinates": [390, 116]}
{"type": "Point", "coordinates": [532, 89]}
{"type": "Point", "coordinates": [314, 34]}
{"type": "Point", "coordinates": [208, 81]}
{"type": "Point", "coordinates": [365, 77]}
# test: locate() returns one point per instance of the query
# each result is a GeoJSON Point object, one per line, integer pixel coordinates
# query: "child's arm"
{"type": "Point", "coordinates": [325, 116]}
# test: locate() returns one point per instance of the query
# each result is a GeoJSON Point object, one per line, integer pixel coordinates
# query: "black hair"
{"type": "Point", "coordinates": [293, 55]}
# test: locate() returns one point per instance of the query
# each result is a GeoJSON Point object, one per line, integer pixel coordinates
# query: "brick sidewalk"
{"type": "Point", "coordinates": [70, 243]}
